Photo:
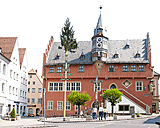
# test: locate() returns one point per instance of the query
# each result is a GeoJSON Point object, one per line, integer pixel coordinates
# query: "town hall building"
{"type": "Point", "coordinates": [122, 64]}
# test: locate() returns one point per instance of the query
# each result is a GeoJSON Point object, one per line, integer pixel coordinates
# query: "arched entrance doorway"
{"type": "Point", "coordinates": [37, 111]}
{"type": "Point", "coordinates": [113, 86]}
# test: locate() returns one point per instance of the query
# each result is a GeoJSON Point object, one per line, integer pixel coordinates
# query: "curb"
{"type": "Point", "coordinates": [39, 126]}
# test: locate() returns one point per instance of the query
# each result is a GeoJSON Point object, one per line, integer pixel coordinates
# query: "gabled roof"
{"type": "Point", "coordinates": [7, 44]}
{"type": "Point", "coordinates": [156, 74]}
{"type": "Point", "coordinates": [125, 55]}
{"type": "Point", "coordinates": [21, 54]}
{"type": "Point", "coordinates": [33, 72]}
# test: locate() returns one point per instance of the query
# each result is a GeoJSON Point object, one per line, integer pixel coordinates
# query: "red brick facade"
{"type": "Point", "coordinates": [90, 72]}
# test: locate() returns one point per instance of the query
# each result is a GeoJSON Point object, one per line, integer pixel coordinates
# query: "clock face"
{"type": "Point", "coordinates": [99, 39]}
{"type": "Point", "coordinates": [99, 45]}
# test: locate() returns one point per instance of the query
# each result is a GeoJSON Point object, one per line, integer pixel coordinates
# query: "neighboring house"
{"type": "Point", "coordinates": [34, 104]}
{"type": "Point", "coordinates": [16, 89]}
{"type": "Point", "coordinates": [122, 64]}
{"type": "Point", "coordinates": [4, 61]}
{"type": "Point", "coordinates": [156, 93]}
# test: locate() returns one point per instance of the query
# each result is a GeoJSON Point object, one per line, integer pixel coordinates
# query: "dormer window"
{"type": "Point", "coordinates": [138, 55]}
{"type": "Point", "coordinates": [127, 45]}
{"type": "Point", "coordinates": [57, 56]}
{"type": "Point", "coordinates": [116, 55]}
{"type": "Point", "coordinates": [82, 55]}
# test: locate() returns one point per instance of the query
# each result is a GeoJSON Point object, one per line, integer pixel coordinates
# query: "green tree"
{"type": "Point", "coordinates": [67, 37]}
{"type": "Point", "coordinates": [13, 114]}
{"type": "Point", "coordinates": [113, 96]}
{"type": "Point", "coordinates": [79, 99]}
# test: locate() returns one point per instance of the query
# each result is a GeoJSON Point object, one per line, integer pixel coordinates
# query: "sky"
{"type": "Point", "coordinates": [35, 21]}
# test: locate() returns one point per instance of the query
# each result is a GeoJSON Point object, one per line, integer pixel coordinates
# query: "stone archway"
{"type": "Point", "coordinates": [37, 111]}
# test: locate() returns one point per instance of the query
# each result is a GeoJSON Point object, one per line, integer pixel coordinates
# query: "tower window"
{"type": "Point", "coordinates": [111, 68]}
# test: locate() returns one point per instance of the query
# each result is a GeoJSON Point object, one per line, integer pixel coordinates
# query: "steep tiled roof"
{"type": "Point", "coordinates": [7, 44]}
{"type": "Point", "coordinates": [126, 55]}
{"type": "Point", "coordinates": [21, 55]}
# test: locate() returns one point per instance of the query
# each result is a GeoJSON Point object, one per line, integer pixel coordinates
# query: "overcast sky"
{"type": "Point", "coordinates": [35, 21]}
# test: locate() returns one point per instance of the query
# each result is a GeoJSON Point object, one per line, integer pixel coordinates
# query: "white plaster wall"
{"type": "Point", "coordinates": [125, 101]}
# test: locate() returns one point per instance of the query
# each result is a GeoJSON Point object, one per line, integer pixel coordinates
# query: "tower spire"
{"type": "Point", "coordinates": [99, 23]}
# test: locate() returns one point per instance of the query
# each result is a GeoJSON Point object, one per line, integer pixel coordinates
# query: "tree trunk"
{"type": "Point", "coordinates": [112, 108]}
{"type": "Point", "coordinates": [78, 110]}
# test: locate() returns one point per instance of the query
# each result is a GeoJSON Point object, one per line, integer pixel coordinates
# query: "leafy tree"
{"type": "Point", "coordinates": [67, 37]}
{"type": "Point", "coordinates": [13, 114]}
{"type": "Point", "coordinates": [79, 99]}
{"type": "Point", "coordinates": [112, 95]}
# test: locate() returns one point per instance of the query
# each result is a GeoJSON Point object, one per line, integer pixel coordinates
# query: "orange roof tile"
{"type": "Point", "coordinates": [7, 44]}
{"type": "Point", "coordinates": [21, 55]}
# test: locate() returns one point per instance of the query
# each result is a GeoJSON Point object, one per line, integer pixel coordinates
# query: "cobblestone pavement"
{"type": "Point", "coordinates": [51, 122]}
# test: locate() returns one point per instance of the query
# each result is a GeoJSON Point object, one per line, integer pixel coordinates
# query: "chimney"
{"type": "Point", "coordinates": [36, 70]}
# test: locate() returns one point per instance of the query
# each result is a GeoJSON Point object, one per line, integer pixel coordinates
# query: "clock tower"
{"type": "Point", "coordinates": [99, 42]}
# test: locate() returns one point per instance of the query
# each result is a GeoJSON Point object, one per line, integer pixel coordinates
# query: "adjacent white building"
{"type": "Point", "coordinates": [16, 77]}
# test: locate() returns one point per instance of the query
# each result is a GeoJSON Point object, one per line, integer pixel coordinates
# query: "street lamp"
{"type": "Point", "coordinates": [44, 91]}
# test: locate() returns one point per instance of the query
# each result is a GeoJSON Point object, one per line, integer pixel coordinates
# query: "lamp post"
{"type": "Point", "coordinates": [44, 91]}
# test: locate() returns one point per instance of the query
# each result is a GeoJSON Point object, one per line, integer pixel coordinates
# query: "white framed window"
{"type": "Point", "coordinates": [133, 68]}
{"type": "Point", "coordinates": [33, 100]}
{"type": "Point", "coordinates": [98, 87]}
{"type": "Point", "coordinates": [139, 86]}
{"type": "Point", "coordinates": [39, 100]}
{"type": "Point", "coordinates": [28, 100]}
{"type": "Point", "coordinates": [59, 105]}
{"type": "Point", "coordinates": [39, 90]}
{"type": "Point", "coordinates": [50, 105]}
{"type": "Point", "coordinates": [51, 69]}
{"type": "Point", "coordinates": [50, 87]}
{"type": "Point", "coordinates": [34, 82]}
{"type": "Point", "coordinates": [28, 90]}
{"type": "Point", "coordinates": [16, 91]}
{"type": "Point", "coordinates": [73, 86]}
{"type": "Point", "coordinates": [20, 93]}
{"type": "Point", "coordinates": [56, 86]}
{"type": "Point", "coordinates": [13, 91]}
{"type": "Point", "coordinates": [10, 73]}
{"type": "Point", "coordinates": [81, 68]}
{"type": "Point", "coordinates": [33, 90]}
{"type": "Point", "coordinates": [76, 107]}
{"type": "Point", "coordinates": [4, 69]}
{"type": "Point", "coordinates": [59, 69]}
{"type": "Point", "coordinates": [14, 75]}
{"type": "Point", "coordinates": [25, 96]}
{"type": "Point", "coordinates": [141, 68]}
{"type": "Point", "coordinates": [3, 87]}
{"type": "Point", "coordinates": [125, 68]}
{"type": "Point", "coordinates": [68, 88]}
{"type": "Point", "coordinates": [9, 89]}
{"type": "Point", "coordinates": [17, 77]}
{"type": "Point", "coordinates": [78, 87]}
{"type": "Point", "coordinates": [111, 68]}
{"type": "Point", "coordinates": [68, 106]}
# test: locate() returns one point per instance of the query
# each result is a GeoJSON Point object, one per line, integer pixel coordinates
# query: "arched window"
{"type": "Point", "coordinates": [30, 111]}
{"type": "Point", "coordinates": [113, 86]}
